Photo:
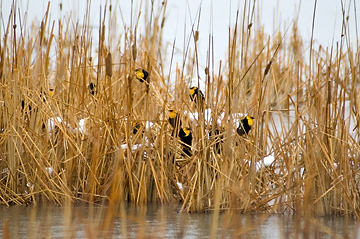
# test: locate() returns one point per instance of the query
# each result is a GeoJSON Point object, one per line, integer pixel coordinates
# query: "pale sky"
{"type": "Point", "coordinates": [327, 32]}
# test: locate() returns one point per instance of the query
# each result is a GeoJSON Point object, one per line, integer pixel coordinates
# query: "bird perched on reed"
{"type": "Point", "coordinates": [196, 94]}
{"type": "Point", "coordinates": [136, 125]}
{"type": "Point", "coordinates": [174, 119]}
{"type": "Point", "coordinates": [142, 75]}
{"type": "Point", "coordinates": [245, 125]}
{"type": "Point", "coordinates": [185, 135]}
{"type": "Point", "coordinates": [51, 91]}
{"type": "Point", "coordinates": [45, 94]}
{"type": "Point", "coordinates": [42, 95]}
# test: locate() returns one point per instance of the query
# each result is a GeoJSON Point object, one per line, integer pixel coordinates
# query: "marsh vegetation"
{"type": "Point", "coordinates": [69, 108]}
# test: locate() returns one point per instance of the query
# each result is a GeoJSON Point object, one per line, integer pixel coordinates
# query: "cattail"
{"type": "Point", "coordinates": [134, 50]}
{"type": "Point", "coordinates": [196, 36]}
{"type": "Point", "coordinates": [266, 71]}
{"type": "Point", "coordinates": [206, 71]}
{"type": "Point", "coordinates": [162, 22]}
{"type": "Point", "coordinates": [108, 65]}
{"type": "Point", "coordinates": [103, 33]}
{"type": "Point", "coordinates": [42, 29]}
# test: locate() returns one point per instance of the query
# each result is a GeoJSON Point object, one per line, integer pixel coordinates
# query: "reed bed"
{"type": "Point", "coordinates": [78, 144]}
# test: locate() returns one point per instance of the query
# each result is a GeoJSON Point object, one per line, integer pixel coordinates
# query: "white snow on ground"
{"type": "Point", "coordinates": [264, 163]}
{"type": "Point", "coordinates": [58, 121]}
{"type": "Point", "coordinates": [82, 126]}
{"type": "Point", "coordinates": [180, 185]}
{"type": "Point", "coordinates": [53, 122]}
{"type": "Point", "coordinates": [50, 171]}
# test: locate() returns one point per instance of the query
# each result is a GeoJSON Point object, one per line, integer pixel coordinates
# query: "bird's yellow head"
{"type": "Point", "coordinates": [139, 74]}
{"type": "Point", "coordinates": [187, 131]}
{"type": "Point", "coordinates": [172, 114]}
{"type": "Point", "coordinates": [193, 91]}
{"type": "Point", "coordinates": [250, 120]}
{"type": "Point", "coordinates": [136, 124]}
{"type": "Point", "coordinates": [51, 92]}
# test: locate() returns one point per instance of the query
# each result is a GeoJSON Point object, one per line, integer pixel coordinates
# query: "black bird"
{"type": "Point", "coordinates": [186, 138]}
{"type": "Point", "coordinates": [92, 88]}
{"type": "Point", "coordinates": [136, 125]}
{"type": "Point", "coordinates": [245, 125]}
{"type": "Point", "coordinates": [174, 119]}
{"type": "Point", "coordinates": [141, 75]}
{"type": "Point", "coordinates": [42, 95]}
{"type": "Point", "coordinates": [51, 91]}
{"type": "Point", "coordinates": [175, 122]}
{"type": "Point", "coordinates": [196, 94]}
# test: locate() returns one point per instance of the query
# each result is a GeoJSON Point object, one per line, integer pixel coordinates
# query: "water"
{"type": "Point", "coordinates": [155, 221]}
{"type": "Point", "coordinates": [47, 221]}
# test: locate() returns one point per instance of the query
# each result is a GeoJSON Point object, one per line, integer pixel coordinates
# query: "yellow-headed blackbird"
{"type": "Point", "coordinates": [174, 119]}
{"type": "Point", "coordinates": [141, 74]}
{"type": "Point", "coordinates": [186, 137]}
{"type": "Point", "coordinates": [196, 94]}
{"type": "Point", "coordinates": [136, 125]}
{"type": "Point", "coordinates": [43, 94]}
{"type": "Point", "coordinates": [92, 88]}
{"type": "Point", "coordinates": [51, 91]}
{"type": "Point", "coordinates": [245, 125]}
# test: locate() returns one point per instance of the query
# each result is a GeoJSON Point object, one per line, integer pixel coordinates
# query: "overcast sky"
{"type": "Point", "coordinates": [273, 13]}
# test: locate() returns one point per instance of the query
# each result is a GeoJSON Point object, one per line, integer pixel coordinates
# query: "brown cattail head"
{"type": "Point", "coordinates": [103, 33]}
{"type": "Point", "coordinates": [108, 65]}
{"type": "Point", "coordinates": [196, 36]}
{"type": "Point", "coordinates": [134, 51]}
{"type": "Point", "coordinates": [42, 32]}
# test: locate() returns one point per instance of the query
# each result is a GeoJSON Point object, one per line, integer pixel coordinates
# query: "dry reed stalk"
{"type": "Point", "coordinates": [301, 111]}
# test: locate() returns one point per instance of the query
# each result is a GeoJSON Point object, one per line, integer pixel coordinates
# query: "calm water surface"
{"type": "Point", "coordinates": [154, 221]}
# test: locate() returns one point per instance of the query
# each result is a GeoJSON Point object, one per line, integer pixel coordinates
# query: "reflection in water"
{"type": "Point", "coordinates": [156, 221]}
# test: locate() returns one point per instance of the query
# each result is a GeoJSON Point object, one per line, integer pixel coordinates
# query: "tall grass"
{"type": "Point", "coordinates": [303, 110]}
